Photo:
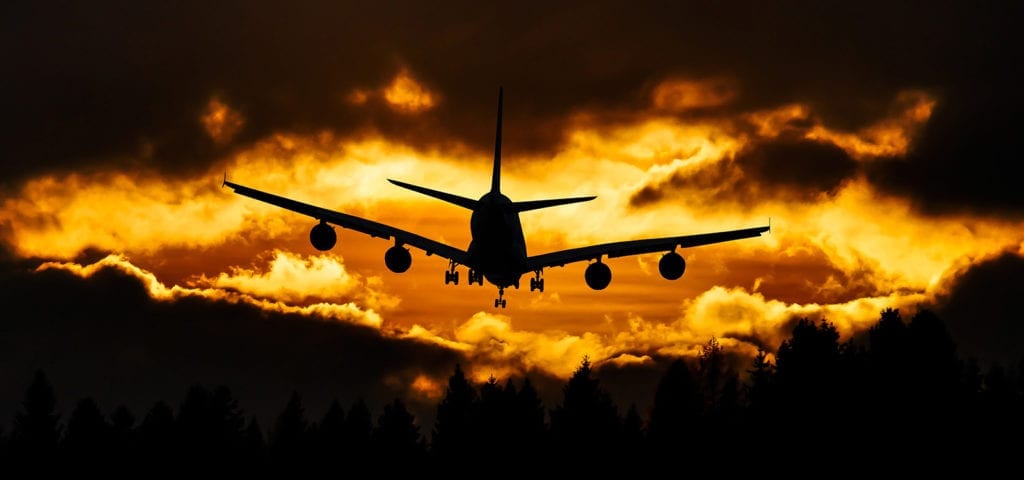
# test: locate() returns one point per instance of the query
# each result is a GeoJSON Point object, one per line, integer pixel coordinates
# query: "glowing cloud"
{"type": "Point", "coordinates": [348, 312]}
{"type": "Point", "coordinates": [406, 95]}
{"type": "Point", "coordinates": [741, 321]}
{"type": "Point", "coordinates": [220, 121]}
{"type": "Point", "coordinates": [59, 216]}
{"type": "Point", "coordinates": [888, 137]}
{"type": "Point", "coordinates": [684, 94]}
{"type": "Point", "coordinates": [427, 387]}
{"type": "Point", "coordinates": [291, 278]}
{"type": "Point", "coordinates": [498, 349]}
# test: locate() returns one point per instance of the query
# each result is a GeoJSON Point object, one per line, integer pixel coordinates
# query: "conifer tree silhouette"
{"type": "Point", "coordinates": [157, 435]}
{"type": "Point", "coordinates": [757, 393]}
{"type": "Point", "coordinates": [529, 437]}
{"type": "Point", "coordinates": [37, 430]}
{"type": "Point", "coordinates": [935, 378]}
{"type": "Point", "coordinates": [123, 442]}
{"type": "Point", "coordinates": [806, 374]}
{"type": "Point", "coordinates": [586, 422]}
{"type": "Point", "coordinates": [397, 442]}
{"type": "Point", "coordinates": [209, 426]}
{"type": "Point", "coordinates": [676, 411]}
{"type": "Point", "coordinates": [289, 438]}
{"type": "Point", "coordinates": [633, 441]}
{"type": "Point", "coordinates": [453, 434]}
{"type": "Point", "coordinates": [330, 435]}
{"type": "Point", "coordinates": [492, 412]}
{"type": "Point", "coordinates": [87, 439]}
{"type": "Point", "coordinates": [254, 448]}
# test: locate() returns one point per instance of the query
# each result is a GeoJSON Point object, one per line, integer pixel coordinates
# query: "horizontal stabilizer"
{"type": "Point", "coordinates": [554, 202]}
{"type": "Point", "coordinates": [457, 200]}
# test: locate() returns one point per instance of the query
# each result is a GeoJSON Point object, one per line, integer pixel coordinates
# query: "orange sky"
{"type": "Point", "coordinates": [878, 138]}
{"type": "Point", "coordinates": [842, 253]}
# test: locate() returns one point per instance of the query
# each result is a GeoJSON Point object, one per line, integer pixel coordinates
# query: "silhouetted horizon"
{"type": "Point", "coordinates": [906, 384]}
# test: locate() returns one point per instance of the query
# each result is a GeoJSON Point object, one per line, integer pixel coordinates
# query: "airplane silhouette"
{"type": "Point", "coordinates": [497, 251]}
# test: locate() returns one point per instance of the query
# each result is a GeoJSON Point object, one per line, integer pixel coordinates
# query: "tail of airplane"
{"type": "Point", "coordinates": [495, 182]}
{"type": "Point", "coordinates": [496, 175]}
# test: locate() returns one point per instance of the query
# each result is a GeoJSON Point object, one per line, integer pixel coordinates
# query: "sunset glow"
{"type": "Point", "coordinates": [880, 252]}
{"type": "Point", "coordinates": [881, 162]}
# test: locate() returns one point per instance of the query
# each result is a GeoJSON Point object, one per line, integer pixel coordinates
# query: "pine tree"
{"type": "Point", "coordinates": [358, 430]}
{"type": "Point", "coordinates": [452, 435]}
{"type": "Point", "coordinates": [676, 412]}
{"type": "Point", "coordinates": [492, 412]}
{"type": "Point", "coordinates": [254, 448]}
{"type": "Point", "coordinates": [88, 436]}
{"type": "Point", "coordinates": [331, 433]}
{"type": "Point", "coordinates": [157, 435]}
{"type": "Point", "coordinates": [289, 439]}
{"type": "Point", "coordinates": [397, 442]}
{"type": "Point", "coordinates": [36, 431]}
{"type": "Point", "coordinates": [529, 435]}
{"type": "Point", "coordinates": [209, 426]}
{"type": "Point", "coordinates": [587, 421]}
{"type": "Point", "coordinates": [122, 430]}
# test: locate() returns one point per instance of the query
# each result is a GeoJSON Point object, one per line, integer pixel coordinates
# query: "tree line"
{"type": "Point", "coordinates": [902, 386]}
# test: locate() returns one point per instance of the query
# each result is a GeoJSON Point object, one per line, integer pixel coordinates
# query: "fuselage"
{"type": "Point", "coordinates": [498, 247]}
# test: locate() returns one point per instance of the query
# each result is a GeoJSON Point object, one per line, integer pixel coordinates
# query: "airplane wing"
{"type": "Point", "coordinates": [369, 227]}
{"type": "Point", "coordinates": [636, 247]}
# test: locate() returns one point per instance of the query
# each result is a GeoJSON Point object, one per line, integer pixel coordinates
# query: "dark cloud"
{"type": "Point", "coordinates": [88, 84]}
{"type": "Point", "coordinates": [807, 167]}
{"type": "Point", "coordinates": [983, 310]}
{"type": "Point", "coordinates": [965, 159]}
{"type": "Point", "coordinates": [105, 337]}
{"type": "Point", "coordinates": [785, 168]}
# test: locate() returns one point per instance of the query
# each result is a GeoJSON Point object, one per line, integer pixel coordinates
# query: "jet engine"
{"type": "Point", "coordinates": [598, 275]}
{"type": "Point", "coordinates": [671, 266]}
{"type": "Point", "coordinates": [323, 237]}
{"type": "Point", "coordinates": [397, 259]}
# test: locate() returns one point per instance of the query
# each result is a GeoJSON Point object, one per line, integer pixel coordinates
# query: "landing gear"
{"type": "Point", "coordinates": [475, 277]}
{"type": "Point", "coordinates": [537, 283]}
{"type": "Point", "coordinates": [452, 275]}
{"type": "Point", "coordinates": [500, 302]}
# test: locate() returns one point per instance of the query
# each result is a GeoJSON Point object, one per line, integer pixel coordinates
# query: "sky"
{"type": "Point", "coordinates": [878, 139]}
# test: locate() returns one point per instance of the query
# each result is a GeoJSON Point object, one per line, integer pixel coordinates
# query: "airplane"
{"type": "Point", "coordinates": [497, 251]}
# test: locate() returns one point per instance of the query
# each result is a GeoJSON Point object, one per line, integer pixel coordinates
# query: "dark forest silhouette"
{"type": "Point", "coordinates": [901, 385]}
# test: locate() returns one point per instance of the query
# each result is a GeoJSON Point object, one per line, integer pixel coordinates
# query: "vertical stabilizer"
{"type": "Point", "coordinates": [496, 175]}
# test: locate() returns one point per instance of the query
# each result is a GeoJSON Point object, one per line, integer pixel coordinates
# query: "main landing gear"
{"type": "Point", "coordinates": [452, 275]}
{"type": "Point", "coordinates": [500, 302]}
{"type": "Point", "coordinates": [537, 283]}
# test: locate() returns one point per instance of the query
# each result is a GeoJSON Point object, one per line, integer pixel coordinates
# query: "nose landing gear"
{"type": "Point", "coordinates": [500, 302]}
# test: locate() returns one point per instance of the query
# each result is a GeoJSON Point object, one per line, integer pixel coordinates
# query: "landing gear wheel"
{"type": "Point", "coordinates": [537, 283]}
{"type": "Point", "coordinates": [500, 302]}
{"type": "Point", "coordinates": [452, 275]}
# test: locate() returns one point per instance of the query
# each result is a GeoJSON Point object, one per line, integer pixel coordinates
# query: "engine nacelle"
{"type": "Point", "coordinates": [672, 265]}
{"type": "Point", "coordinates": [323, 237]}
{"type": "Point", "coordinates": [598, 275]}
{"type": "Point", "coordinates": [397, 259]}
